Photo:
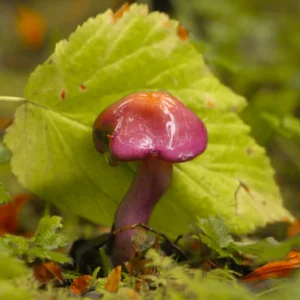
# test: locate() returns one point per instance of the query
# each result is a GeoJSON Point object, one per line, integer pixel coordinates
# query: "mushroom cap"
{"type": "Point", "coordinates": [150, 124]}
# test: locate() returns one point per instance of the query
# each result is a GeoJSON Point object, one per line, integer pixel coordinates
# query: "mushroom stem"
{"type": "Point", "coordinates": [150, 183]}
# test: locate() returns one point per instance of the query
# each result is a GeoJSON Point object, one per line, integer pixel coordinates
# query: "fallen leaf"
{"type": "Point", "coordinates": [276, 269]}
{"type": "Point", "coordinates": [113, 280]}
{"type": "Point", "coordinates": [195, 245]}
{"type": "Point", "coordinates": [182, 33]}
{"type": "Point", "coordinates": [142, 240]}
{"type": "Point", "coordinates": [9, 214]}
{"type": "Point", "coordinates": [119, 13]}
{"type": "Point", "coordinates": [31, 27]}
{"type": "Point", "coordinates": [137, 266]}
{"type": "Point", "coordinates": [47, 271]}
{"type": "Point", "coordinates": [80, 284]}
{"type": "Point", "coordinates": [294, 228]}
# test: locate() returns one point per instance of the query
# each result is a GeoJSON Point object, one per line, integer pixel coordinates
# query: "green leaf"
{"type": "Point", "coordinates": [267, 111]}
{"type": "Point", "coordinates": [41, 245]}
{"type": "Point", "coordinates": [41, 253]}
{"type": "Point", "coordinates": [215, 234]}
{"type": "Point", "coordinates": [10, 291]}
{"type": "Point", "coordinates": [104, 60]}
{"type": "Point", "coordinates": [288, 125]}
{"type": "Point", "coordinates": [5, 154]}
{"type": "Point", "coordinates": [15, 244]}
{"type": "Point", "coordinates": [46, 235]}
{"type": "Point", "coordinates": [292, 125]}
{"type": "Point", "coordinates": [4, 195]}
{"type": "Point", "coordinates": [269, 249]}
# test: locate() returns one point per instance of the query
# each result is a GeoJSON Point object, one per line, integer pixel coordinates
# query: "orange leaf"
{"type": "Point", "coordinates": [9, 214]}
{"type": "Point", "coordinates": [113, 280]}
{"type": "Point", "coordinates": [31, 27]}
{"type": "Point", "coordinates": [182, 33]}
{"type": "Point", "coordinates": [276, 269]}
{"type": "Point", "coordinates": [137, 266]}
{"type": "Point", "coordinates": [5, 122]}
{"type": "Point", "coordinates": [294, 228]}
{"type": "Point", "coordinates": [195, 245]}
{"type": "Point", "coordinates": [119, 13]}
{"type": "Point", "coordinates": [80, 285]}
{"type": "Point", "coordinates": [47, 271]}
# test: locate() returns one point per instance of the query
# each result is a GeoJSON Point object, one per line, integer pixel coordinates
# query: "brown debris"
{"type": "Point", "coordinates": [113, 280]}
{"type": "Point", "coordinates": [80, 285]}
{"type": "Point", "coordinates": [276, 269]}
{"type": "Point", "coordinates": [47, 271]}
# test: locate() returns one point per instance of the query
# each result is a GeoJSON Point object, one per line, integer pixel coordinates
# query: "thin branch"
{"type": "Point", "coordinates": [12, 99]}
{"type": "Point", "coordinates": [133, 226]}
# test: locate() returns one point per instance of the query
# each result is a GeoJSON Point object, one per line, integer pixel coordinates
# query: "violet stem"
{"type": "Point", "coordinates": [150, 183]}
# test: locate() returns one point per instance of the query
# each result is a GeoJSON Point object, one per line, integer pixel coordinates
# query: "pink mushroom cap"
{"type": "Point", "coordinates": [150, 124]}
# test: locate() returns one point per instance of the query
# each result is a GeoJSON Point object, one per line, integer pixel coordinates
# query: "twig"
{"type": "Point", "coordinates": [133, 226]}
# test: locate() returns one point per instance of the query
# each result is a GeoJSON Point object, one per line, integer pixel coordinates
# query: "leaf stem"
{"type": "Point", "coordinates": [12, 99]}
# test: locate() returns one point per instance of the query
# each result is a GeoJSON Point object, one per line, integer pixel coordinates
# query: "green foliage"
{"type": "Point", "coordinates": [26, 288]}
{"type": "Point", "coordinates": [9, 291]}
{"type": "Point", "coordinates": [253, 46]}
{"type": "Point", "coordinates": [8, 180]}
{"type": "Point", "coordinates": [5, 154]}
{"type": "Point", "coordinates": [40, 246]}
{"type": "Point", "coordinates": [46, 234]}
{"type": "Point", "coordinates": [291, 126]}
{"type": "Point", "coordinates": [284, 289]}
{"type": "Point", "coordinates": [106, 56]}
{"type": "Point", "coordinates": [10, 267]}
{"type": "Point", "coordinates": [4, 195]}
{"type": "Point", "coordinates": [5, 157]}
{"type": "Point", "coordinates": [269, 249]}
{"type": "Point", "coordinates": [171, 279]}
{"type": "Point", "coordinates": [287, 126]}
{"type": "Point", "coordinates": [215, 234]}
{"type": "Point", "coordinates": [178, 282]}
{"type": "Point", "coordinates": [272, 110]}
{"type": "Point", "coordinates": [257, 40]}
{"type": "Point", "coordinates": [174, 281]}
{"type": "Point", "coordinates": [105, 262]}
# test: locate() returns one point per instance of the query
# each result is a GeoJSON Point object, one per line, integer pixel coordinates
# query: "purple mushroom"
{"type": "Point", "coordinates": [158, 130]}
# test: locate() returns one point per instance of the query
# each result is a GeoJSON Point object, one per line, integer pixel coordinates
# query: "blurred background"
{"type": "Point", "coordinates": [252, 47]}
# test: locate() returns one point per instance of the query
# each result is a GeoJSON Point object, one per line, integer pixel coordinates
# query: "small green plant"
{"type": "Point", "coordinates": [41, 246]}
